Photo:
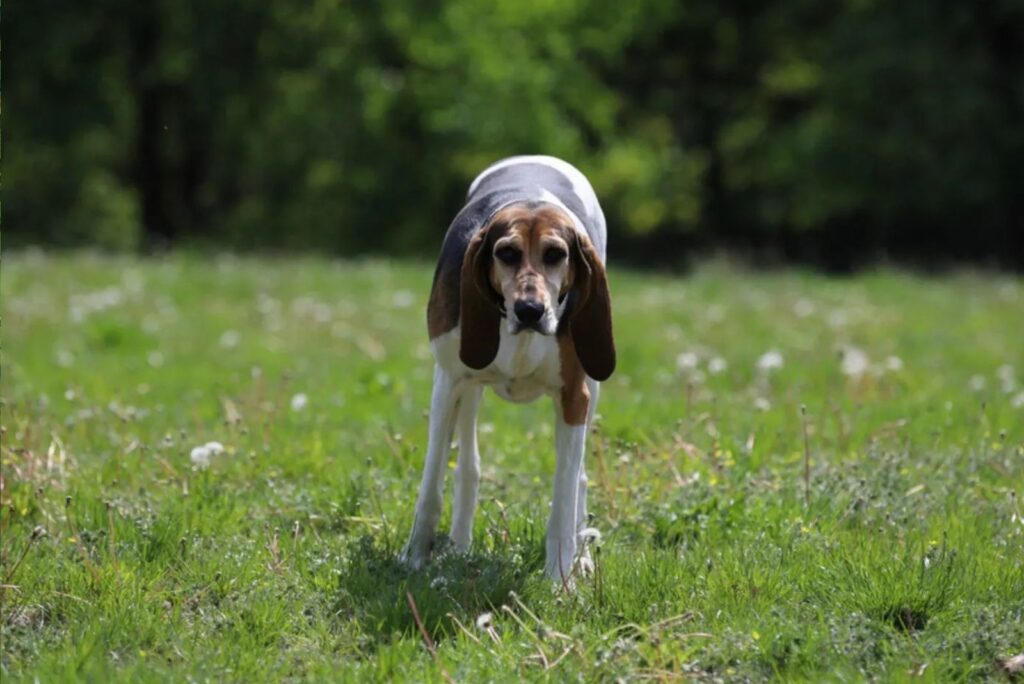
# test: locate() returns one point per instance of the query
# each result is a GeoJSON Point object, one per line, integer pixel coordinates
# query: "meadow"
{"type": "Point", "coordinates": [794, 477]}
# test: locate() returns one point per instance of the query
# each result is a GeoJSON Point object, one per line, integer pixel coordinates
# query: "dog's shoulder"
{"type": "Point", "coordinates": [443, 306]}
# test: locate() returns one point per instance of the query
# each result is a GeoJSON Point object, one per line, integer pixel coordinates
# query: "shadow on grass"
{"type": "Point", "coordinates": [373, 585]}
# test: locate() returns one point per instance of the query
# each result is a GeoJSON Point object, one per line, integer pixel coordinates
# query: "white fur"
{"type": "Point", "coordinates": [526, 367]}
{"type": "Point", "coordinates": [580, 184]}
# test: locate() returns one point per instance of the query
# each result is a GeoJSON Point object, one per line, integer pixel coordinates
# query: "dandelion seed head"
{"type": "Point", "coordinates": [1007, 378]}
{"type": "Point", "coordinates": [299, 402]}
{"type": "Point", "coordinates": [838, 318]}
{"type": "Point", "coordinates": [687, 361]}
{"type": "Point", "coordinates": [717, 365]}
{"type": "Point", "coordinates": [770, 360]}
{"type": "Point", "coordinates": [977, 383]}
{"type": "Point", "coordinates": [803, 307]}
{"type": "Point", "coordinates": [894, 363]}
{"type": "Point", "coordinates": [485, 622]}
{"type": "Point", "coordinates": [590, 535]}
{"type": "Point", "coordinates": [855, 362]}
{"type": "Point", "coordinates": [200, 458]}
{"type": "Point", "coordinates": [230, 339]}
{"type": "Point", "coordinates": [403, 299]}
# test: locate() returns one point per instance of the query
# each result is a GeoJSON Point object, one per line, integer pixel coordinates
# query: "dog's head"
{"type": "Point", "coordinates": [531, 264]}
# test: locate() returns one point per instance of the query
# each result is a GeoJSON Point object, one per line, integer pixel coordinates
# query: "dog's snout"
{"type": "Point", "coordinates": [529, 311]}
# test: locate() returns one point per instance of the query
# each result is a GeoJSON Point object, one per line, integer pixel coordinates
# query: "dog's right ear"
{"type": "Point", "coordinates": [479, 317]}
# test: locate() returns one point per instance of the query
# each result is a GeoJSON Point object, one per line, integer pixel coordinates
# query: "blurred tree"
{"type": "Point", "coordinates": [834, 128]}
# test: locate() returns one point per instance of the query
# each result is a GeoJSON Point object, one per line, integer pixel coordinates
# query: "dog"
{"type": "Point", "coordinates": [519, 304]}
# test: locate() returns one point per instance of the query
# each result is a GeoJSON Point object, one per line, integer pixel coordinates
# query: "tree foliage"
{"type": "Point", "coordinates": [355, 127]}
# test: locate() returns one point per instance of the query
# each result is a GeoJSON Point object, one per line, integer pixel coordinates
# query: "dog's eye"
{"type": "Point", "coordinates": [509, 256]}
{"type": "Point", "coordinates": [554, 255]}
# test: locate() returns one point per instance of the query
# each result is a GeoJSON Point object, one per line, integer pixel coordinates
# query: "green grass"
{"type": "Point", "coordinates": [278, 561]}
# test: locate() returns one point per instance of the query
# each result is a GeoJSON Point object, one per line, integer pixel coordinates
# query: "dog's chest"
{"type": "Point", "coordinates": [526, 367]}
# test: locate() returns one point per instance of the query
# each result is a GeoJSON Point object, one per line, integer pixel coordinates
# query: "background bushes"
{"type": "Point", "coordinates": [833, 131]}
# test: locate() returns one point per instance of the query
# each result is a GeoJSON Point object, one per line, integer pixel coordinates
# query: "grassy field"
{"type": "Point", "coordinates": [900, 556]}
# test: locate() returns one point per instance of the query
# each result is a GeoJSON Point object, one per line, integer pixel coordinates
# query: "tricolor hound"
{"type": "Point", "coordinates": [528, 247]}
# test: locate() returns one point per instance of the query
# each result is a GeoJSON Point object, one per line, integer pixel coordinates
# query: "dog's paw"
{"type": "Point", "coordinates": [420, 549]}
{"type": "Point", "coordinates": [416, 552]}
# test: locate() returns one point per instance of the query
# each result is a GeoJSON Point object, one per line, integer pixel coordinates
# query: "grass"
{"type": "Point", "coordinates": [898, 554]}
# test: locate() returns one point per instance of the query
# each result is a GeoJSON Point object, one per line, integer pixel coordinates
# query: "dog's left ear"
{"type": "Point", "coordinates": [591, 317]}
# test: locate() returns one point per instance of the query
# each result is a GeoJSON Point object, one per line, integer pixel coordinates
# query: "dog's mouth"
{"type": "Point", "coordinates": [518, 327]}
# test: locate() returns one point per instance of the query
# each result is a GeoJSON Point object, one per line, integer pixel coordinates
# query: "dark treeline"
{"type": "Point", "coordinates": [830, 131]}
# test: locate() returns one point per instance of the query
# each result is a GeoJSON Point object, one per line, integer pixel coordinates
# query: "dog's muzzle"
{"type": "Point", "coordinates": [528, 315]}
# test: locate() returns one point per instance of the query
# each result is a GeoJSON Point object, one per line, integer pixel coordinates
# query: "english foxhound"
{"type": "Point", "coordinates": [528, 247]}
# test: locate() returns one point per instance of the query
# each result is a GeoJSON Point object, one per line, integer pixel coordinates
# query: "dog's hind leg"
{"type": "Point", "coordinates": [444, 402]}
{"type": "Point", "coordinates": [467, 472]}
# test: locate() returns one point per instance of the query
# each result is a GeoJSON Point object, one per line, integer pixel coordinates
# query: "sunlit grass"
{"type": "Point", "coordinates": [128, 554]}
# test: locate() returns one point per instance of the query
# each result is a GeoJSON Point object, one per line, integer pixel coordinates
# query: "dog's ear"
{"type": "Point", "coordinates": [591, 317]}
{"type": "Point", "coordinates": [478, 305]}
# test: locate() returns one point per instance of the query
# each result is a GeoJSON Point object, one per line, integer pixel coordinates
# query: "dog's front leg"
{"type": "Point", "coordinates": [586, 563]}
{"type": "Point", "coordinates": [444, 401]}
{"type": "Point", "coordinates": [467, 472]}
{"type": "Point", "coordinates": [570, 444]}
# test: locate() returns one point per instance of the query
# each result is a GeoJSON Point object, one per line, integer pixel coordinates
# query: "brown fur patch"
{"type": "Point", "coordinates": [591, 322]}
{"type": "Point", "coordinates": [442, 309]}
{"type": "Point", "coordinates": [575, 396]}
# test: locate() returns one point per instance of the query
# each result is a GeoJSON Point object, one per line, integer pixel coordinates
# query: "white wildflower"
{"type": "Point", "coordinates": [230, 339]}
{"type": "Point", "coordinates": [855, 362]}
{"type": "Point", "coordinates": [82, 305]}
{"type": "Point", "coordinates": [687, 361]}
{"type": "Point", "coordinates": [803, 307]}
{"type": "Point", "coordinates": [299, 402]}
{"type": "Point", "coordinates": [769, 361]}
{"type": "Point", "coordinates": [155, 359]}
{"type": "Point", "coordinates": [403, 299]}
{"type": "Point", "coordinates": [838, 318]}
{"type": "Point", "coordinates": [589, 535]}
{"type": "Point", "coordinates": [1007, 378]}
{"type": "Point", "coordinates": [894, 364]}
{"type": "Point", "coordinates": [65, 359]}
{"type": "Point", "coordinates": [200, 458]}
{"type": "Point", "coordinates": [977, 382]}
{"type": "Point", "coordinates": [201, 455]}
{"type": "Point", "coordinates": [717, 365]}
{"type": "Point", "coordinates": [1018, 401]}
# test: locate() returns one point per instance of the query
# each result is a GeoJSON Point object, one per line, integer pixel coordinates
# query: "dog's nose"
{"type": "Point", "coordinates": [529, 311]}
